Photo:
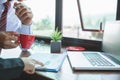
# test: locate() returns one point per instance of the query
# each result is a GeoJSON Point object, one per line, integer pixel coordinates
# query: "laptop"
{"type": "Point", "coordinates": [52, 62]}
{"type": "Point", "coordinates": [109, 59]}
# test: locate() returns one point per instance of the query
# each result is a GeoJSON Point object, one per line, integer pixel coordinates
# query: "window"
{"type": "Point", "coordinates": [44, 16]}
{"type": "Point", "coordinates": [78, 19]}
{"type": "Point", "coordinates": [92, 17]}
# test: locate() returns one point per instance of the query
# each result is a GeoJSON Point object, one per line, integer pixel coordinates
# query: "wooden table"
{"type": "Point", "coordinates": [65, 73]}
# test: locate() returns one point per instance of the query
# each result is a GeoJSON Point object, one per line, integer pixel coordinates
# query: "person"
{"type": "Point", "coordinates": [14, 67]}
{"type": "Point", "coordinates": [19, 20]}
{"type": "Point", "coordinates": [19, 16]}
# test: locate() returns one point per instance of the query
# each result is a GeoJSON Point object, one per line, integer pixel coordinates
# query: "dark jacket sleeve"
{"type": "Point", "coordinates": [10, 68]}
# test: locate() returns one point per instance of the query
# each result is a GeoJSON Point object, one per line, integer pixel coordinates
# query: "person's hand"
{"type": "Point", "coordinates": [29, 65]}
{"type": "Point", "coordinates": [9, 39]}
{"type": "Point", "coordinates": [24, 13]}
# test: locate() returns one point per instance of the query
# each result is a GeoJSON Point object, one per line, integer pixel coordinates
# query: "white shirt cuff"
{"type": "Point", "coordinates": [26, 29]}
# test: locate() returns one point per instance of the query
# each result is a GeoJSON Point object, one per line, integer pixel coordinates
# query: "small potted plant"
{"type": "Point", "coordinates": [55, 44]}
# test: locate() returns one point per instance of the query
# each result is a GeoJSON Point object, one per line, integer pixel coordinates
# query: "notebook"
{"type": "Point", "coordinates": [109, 59]}
{"type": "Point", "coordinates": [52, 62]}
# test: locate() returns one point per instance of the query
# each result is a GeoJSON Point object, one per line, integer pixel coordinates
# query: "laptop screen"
{"type": "Point", "coordinates": [111, 38]}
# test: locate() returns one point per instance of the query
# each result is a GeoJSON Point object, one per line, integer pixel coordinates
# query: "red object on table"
{"type": "Point", "coordinates": [75, 48]}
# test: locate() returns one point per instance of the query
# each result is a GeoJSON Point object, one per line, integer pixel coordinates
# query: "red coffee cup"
{"type": "Point", "coordinates": [26, 41]}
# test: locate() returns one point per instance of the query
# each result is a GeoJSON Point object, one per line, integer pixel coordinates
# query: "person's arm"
{"type": "Point", "coordinates": [10, 68]}
{"type": "Point", "coordinates": [13, 67]}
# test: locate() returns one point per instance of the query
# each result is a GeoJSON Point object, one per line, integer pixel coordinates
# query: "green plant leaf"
{"type": "Point", "coordinates": [56, 35]}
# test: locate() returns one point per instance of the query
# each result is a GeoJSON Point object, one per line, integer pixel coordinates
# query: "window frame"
{"type": "Point", "coordinates": [81, 20]}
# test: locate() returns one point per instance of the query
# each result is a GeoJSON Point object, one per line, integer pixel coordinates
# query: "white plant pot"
{"type": "Point", "coordinates": [55, 46]}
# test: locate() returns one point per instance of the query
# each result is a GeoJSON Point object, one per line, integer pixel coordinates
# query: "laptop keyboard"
{"type": "Point", "coordinates": [97, 60]}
